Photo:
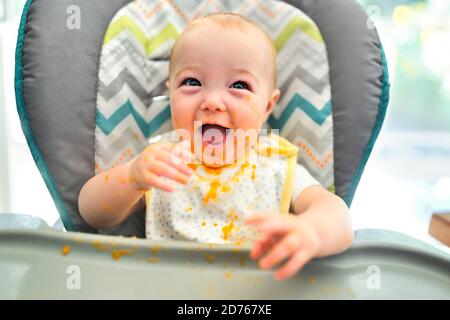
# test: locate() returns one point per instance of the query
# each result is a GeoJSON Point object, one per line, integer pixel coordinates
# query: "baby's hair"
{"type": "Point", "coordinates": [229, 20]}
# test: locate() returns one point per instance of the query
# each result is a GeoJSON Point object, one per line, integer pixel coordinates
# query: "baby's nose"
{"type": "Point", "coordinates": [213, 103]}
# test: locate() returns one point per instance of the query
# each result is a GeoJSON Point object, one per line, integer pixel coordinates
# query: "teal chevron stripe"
{"type": "Point", "coordinates": [158, 121]}
{"type": "Point", "coordinates": [318, 116]}
{"type": "Point", "coordinates": [147, 129]}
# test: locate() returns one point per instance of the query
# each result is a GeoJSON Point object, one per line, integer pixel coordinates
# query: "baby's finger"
{"type": "Point", "coordinates": [275, 226]}
{"type": "Point", "coordinates": [263, 244]}
{"type": "Point", "coordinates": [295, 264]}
{"type": "Point", "coordinates": [185, 155]}
{"type": "Point", "coordinates": [162, 169]}
{"type": "Point", "coordinates": [186, 144]}
{"type": "Point", "coordinates": [258, 218]}
{"type": "Point", "coordinates": [283, 249]}
{"type": "Point", "coordinates": [157, 182]}
{"type": "Point", "coordinates": [169, 158]}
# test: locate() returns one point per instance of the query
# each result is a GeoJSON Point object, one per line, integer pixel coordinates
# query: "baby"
{"type": "Point", "coordinates": [215, 178]}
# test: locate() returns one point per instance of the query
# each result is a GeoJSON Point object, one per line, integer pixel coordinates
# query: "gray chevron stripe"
{"type": "Point", "coordinates": [145, 69]}
{"type": "Point", "coordinates": [272, 26]}
{"type": "Point", "coordinates": [326, 179]}
{"type": "Point", "coordinates": [160, 89]}
{"type": "Point", "coordinates": [320, 174]}
{"type": "Point", "coordinates": [165, 127]}
{"type": "Point", "coordinates": [158, 20]}
{"type": "Point", "coordinates": [292, 52]}
{"type": "Point", "coordinates": [189, 6]}
{"type": "Point", "coordinates": [318, 85]}
{"type": "Point", "coordinates": [300, 45]}
{"type": "Point", "coordinates": [108, 153]}
{"type": "Point", "coordinates": [125, 76]}
{"type": "Point", "coordinates": [126, 48]}
{"type": "Point", "coordinates": [299, 138]}
{"type": "Point", "coordinates": [319, 144]}
{"type": "Point", "coordinates": [125, 140]}
{"type": "Point", "coordinates": [108, 92]}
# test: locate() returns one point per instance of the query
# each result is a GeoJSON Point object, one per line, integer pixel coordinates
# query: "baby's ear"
{"type": "Point", "coordinates": [167, 84]}
{"type": "Point", "coordinates": [272, 101]}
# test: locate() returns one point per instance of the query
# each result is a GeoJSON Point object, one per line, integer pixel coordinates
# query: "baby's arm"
{"type": "Point", "coordinates": [108, 198]}
{"type": "Point", "coordinates": [329, 215]}
{"type": "Point", "coordinates": [320, 226]}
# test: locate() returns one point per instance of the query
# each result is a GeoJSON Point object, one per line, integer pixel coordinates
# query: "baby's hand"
{"type": "Point", "coordinates": [161, 160]}
{"type": "Point", "coordinates": [283, 237]}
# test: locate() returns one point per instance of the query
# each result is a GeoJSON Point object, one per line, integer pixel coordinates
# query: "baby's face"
{"type": "Point", "coordinates": [221, 79]}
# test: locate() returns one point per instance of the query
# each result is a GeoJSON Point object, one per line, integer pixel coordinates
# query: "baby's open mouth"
{"type": "Point", "coordinates": [214, 134]}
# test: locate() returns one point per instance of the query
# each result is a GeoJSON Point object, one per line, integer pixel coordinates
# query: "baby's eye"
{"type": "Point", "coordinates": [240, 85]}
{"type": "Point", "coordinates": [191, 82]}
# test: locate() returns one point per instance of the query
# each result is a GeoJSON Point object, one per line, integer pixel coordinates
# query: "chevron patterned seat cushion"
{"type": "Point", "coordinates": [131, 107]}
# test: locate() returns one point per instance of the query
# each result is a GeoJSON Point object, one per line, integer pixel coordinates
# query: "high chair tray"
{"type": "Point", "coordinates": [39, 264]}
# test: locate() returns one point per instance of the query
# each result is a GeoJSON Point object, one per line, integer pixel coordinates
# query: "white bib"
{"type": "Point", "coordinates": [212, 206]}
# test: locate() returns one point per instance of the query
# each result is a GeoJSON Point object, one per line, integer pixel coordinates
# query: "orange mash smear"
{"type": "Point", "coordinates": [312, 280]}
{"type": "Point", "coordinates": [152, 260]}
{"type": "Point", "coordinates": [117, 254]}
{"type": "Point", "coordinates": [65, 250]}
{"type": "Point", "coordinates": [240, 172]}
{"type": "Point", "coordinates": [229, 228]}
{"type": "Point", "coordinates": [193, 166]}
{"type": "Point", "coordinates": [155, 249]}
{"type": "Point", "coordinates": [209, 257]}
{"type": "Point", "coordinates": [233, 215]}
{"type": "Point", "coordinates": [226, 230]}
{"type": "Point", "coordinates": [97, 244]}
{"type": "Point", "coordinates": [216, 185]}
{"type": "Point", "coordinates": [214, 171]}
{"type": "Point", "coordinates": [253, 171]}
{"type": "Point", "coordinates": [212, 194]}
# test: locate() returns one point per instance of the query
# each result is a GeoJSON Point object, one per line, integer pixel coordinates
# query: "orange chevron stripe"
{"type": "Point", "coordinates": [264, 8]}
{"type": "Point", "coordinates": [143, 7]}
{"type": "Point", "coordinates": [201, 11]}
{"type": "Point", "coordinates": [215, 5]}
{"type": "Point", "coordinates": [178, 11]}
{"type": "Point", "coordinates": [244, 6]}
{"type": "Point", "coordinates": [204, 8]}
{"type": "Point", "coordinates": [316, 160]}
